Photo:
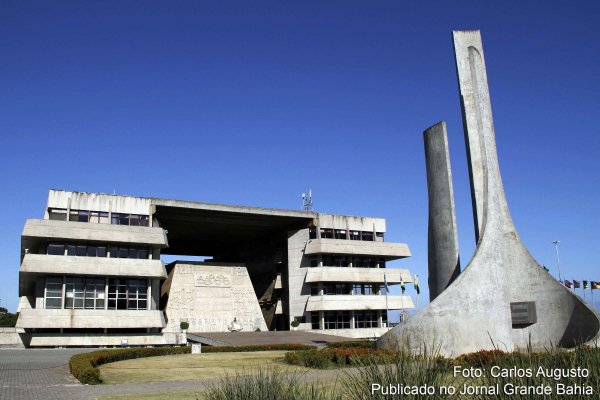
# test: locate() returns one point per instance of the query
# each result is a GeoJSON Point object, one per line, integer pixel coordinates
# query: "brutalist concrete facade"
{"type": "Point", "coordinates": [91, 273]}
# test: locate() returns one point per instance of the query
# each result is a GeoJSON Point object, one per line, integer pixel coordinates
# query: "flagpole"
{"type": "Point", "coordinates": [583, 286]}
{"type": "Point", "coordinates": [594, 304]}
{"type": "Point", "coordinates": [387, 310]}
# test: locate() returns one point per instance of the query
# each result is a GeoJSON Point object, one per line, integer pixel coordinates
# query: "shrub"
{"type": "Point", "coordinates": [327, 358]}
{"type": "Point", "coordinates": [350, 345]}
{"type": "Point", "coordinates": [8, 320]}
{"type": "Point", "coordinates": [83, 366]}
{"type": "Point", "coordinates": [184, 325]}
{"type": "Point", "coordinates": [479, 358]}
{"type": "Point", "coordinates": [295, 324]}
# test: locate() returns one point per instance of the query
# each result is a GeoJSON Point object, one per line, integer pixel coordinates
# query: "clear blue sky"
{"type": "Point", "coordinates": [252, 103]}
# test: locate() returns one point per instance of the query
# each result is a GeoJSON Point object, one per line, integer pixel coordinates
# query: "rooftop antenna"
{"type": "Point", "coordinates": [307, 201]}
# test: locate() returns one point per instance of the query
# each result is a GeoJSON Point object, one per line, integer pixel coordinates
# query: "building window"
{"type": "Point", "coordinates": [144, 220]}
{"type": "Point", "coordinates": [97, 217]}
{"type": "Point", "coordinates": [53, 292]}
{"type": "Point", "coordinates": [382, 263]}
{"type": "Point", "coordinates": [57, 214]}
{"type": "Point", "coordinates": [127, 294]}
{"type": "Point", "coordinates": [314, 289]}
{"type": "Point", "coordinates": [128, 252]}
{"type": "Point", "coordinates": [342, 288]}
{"type": "Point", "coordinates": [363, 289]}
{"type": "Point", "coordinates": [384, 318]}
{"type": "Point", "coordinates": [326, 233]}
{"type": "Point", "coordinates": [380, 235]}
{"type": "Point", "coordinates": [367, 236]}
{"type": "Point", "coordinates": [312, 233]}
{"type": "Point", "coordinates": [337, 319]}
{"type": "Point", "coordinates": [340, 262]}
{"type": "Point", "coordinates": [85, 293]}
{"type": "Point", "coordinates": [328, 289]}
{"type": "Point", "coordinates": [340, 234]}
{"type": "Point", "coordinates": [56, 249]}
{"type": "Point", "coordinates": [315, 320]}
{"type": "Point", "coordinates": [314, 262]}
{"type": "Point", "coordinates": [354, 235]}
{"type": "Point", "coordinates": [365, 319]}
{"type": "Point", "coordinates": [119, 219]}
{"type": "Point", "coordinates": [327, 261]}
{"type": "Point", "coordinates": [79, 216]}
{"type": "Point", "coordinates": [367, 263]}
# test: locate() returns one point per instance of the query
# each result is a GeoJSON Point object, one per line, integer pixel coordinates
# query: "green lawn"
{"type": "Point", "coordinates": [189, 367]}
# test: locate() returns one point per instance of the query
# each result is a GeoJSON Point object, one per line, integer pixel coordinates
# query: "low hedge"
{"type": "Point", "coordinates": [350, 345]}
{"type": "Point", "coordinates": [83, 366]}
{"type": "Point", "coordinates": [327, 358]}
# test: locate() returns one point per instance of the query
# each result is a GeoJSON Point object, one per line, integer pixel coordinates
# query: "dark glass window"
{"type": "Point", "coordinates": [133, 253]}
{"type": "Point", "coordinates": [81, 250]}
{"type": "Point", "coordinates": [368, 236]}
{"type": "Point", "coordinates": [57, 214]}
{"type": "Point", "coordinates": [134, 220]}
{"type": "Point", "coordinates": [327, 261]}
{"type": "Point", "coordinates": [367, 263]}
{"type": "Point", "coordinates": [340, 262]}
{"type": "Point", "coordinates": [354, 235]}
{"type": "Point", "coordinates": [326, 233]}
{"type": "Point", "coordinates": [101, 251]}
{"type": "Point", "coordinates": [143, 254]}
{"type": "Point", "coordinates": [127, 294]}
{"type": "Point", "coordinates": [114, 252]}
{"type": "Point", "coordinates": [356, 263]}
{"type": "Point", "coordinates": [341, 288]}
{"type": "Point", "coordinates": [92, 251]}
{"type": "Point", "coordinates": [384, 317]}
{"type": "Point", "coordinates": [315, 320]}
{"type": "Point", "coordinates": [312, 233]}
{"type": "Point", "coordinates": [123, 252]}
{"type": "Point", "coordinates": [337, 319]}
{"type": "Point", "coordinates": [71, 250]}
{"type": "Point", "coordinates": [380, 234]}
{"type": "Point", "coordinates": [56, 249]}
{"type": "Point", "coordinates": [120, 219]}
{"type": "Point", "coordinates": [314, 262]}
{"type": "Point", "coordinates": [314, 289]}
{"type": "Point", "coordinates": [365, 319]}
{"type": "Point", "coordinates": [340, 234]}
{"type": "Point", "coordinates": [382, 263]}
{"type": "Point", "coordinates": [143, 220]}
{"type": "Point", "coordinates": [328, 288]}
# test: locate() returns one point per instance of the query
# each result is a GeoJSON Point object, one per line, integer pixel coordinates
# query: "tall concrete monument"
{"type": "Point", "coordinates": [503, 295]}
{"type": "Point", "coordinates": [442, 241]}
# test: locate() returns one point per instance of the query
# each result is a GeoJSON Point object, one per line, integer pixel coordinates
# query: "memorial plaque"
{"type": "Point", "coordinates": [196, 348]}
{"type": "Point", "coordinates": [523, 313]}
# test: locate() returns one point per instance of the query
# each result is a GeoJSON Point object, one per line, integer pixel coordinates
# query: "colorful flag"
{"type": "Point", "coordinates": [417, 285]}
{"type": "Point", "coordinates": [595, 285]}
{"type": "Point", "coordinates": [576, 284]}
{"type": "Point", "coordinates": [568, 284]}
{"type": "Point", "coordinates": [585, 285]}
{"type": "Point", "coordinates": [385, 283]}
{"type": "Point", "coordinates": [402, 285]}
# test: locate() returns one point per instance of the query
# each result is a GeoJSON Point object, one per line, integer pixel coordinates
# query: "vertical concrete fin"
{"type": "Point", "coordinates": [476, 111]}
{"type": "Point", "coordinates": [442, 243]}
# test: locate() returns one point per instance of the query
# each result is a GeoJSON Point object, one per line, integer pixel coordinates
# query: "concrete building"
{"type": "Point", "coordinates": [91, 273]}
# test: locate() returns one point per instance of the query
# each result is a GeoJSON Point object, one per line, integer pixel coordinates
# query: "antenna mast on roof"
{"type": "Point", "coordinates": [307, 201]}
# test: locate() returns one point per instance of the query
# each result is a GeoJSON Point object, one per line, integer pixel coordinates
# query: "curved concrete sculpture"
{"type": "Point", "coordinates": [442, 240]}
{"type": "Point", "coordinates": [476, 308]}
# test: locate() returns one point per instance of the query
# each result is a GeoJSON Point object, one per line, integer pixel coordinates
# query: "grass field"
{"type": "Point", "coordinates": [189, 367]}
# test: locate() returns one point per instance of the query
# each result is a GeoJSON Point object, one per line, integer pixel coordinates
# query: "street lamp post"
{"type": "Point", "coordinates": [556, 242]}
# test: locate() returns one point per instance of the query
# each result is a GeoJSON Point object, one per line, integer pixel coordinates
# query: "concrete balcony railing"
{"type": "Point", "coordinates": [44, 229]}
{"type": "Point", "coordinates": [387, 250]}
{"type": "Point", "coordinates": [366, 275]}
{"type": "Point", "coordinates": [350, 302]}
{"type": "Point", "coordinates": [66, 318]}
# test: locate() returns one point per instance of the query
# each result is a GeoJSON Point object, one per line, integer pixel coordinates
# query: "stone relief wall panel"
{"type": "Point", "coordinates": [208, 297]}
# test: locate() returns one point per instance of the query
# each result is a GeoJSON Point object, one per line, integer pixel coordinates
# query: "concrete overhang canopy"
{"type": "Point", "coordinates": [358, 302]}
{"type": "Point", "coordinates": [39, 231]}
{"type": "Point", "coordinates": [388, 250]}
{"type": "Point", "coordinates": [204, 229]}
{"type": "Point", "coordinates": [345, 274]}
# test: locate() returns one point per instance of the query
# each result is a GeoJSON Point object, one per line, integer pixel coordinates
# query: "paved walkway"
{"type": "Point", "coordinates": [44, 374]}
{"type": "Point", "coordinates": [271, 337]}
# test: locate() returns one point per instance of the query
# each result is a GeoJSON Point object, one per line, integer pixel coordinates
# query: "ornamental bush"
{"type": "Point", "coordinates": [83, 366]}
{"type": "Point", "coordinates": [327, 358]}
{"type": "Point", "coordinates": [184, 325]}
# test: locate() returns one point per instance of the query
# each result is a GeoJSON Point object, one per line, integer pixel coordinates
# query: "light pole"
{"type": "Point", "coordinates": [556, 242]}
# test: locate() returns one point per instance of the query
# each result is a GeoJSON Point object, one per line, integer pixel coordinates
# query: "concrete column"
{"type": "Point", "coordinates": [442, 246]}
{"type": "Point", "coordinates": [347, 230]}
{"type": "Point", "coordinates": [352, 319]}
{"type": "Point", "coordinates": [106, 293]}
{"type": "Point", "coordinates": [379, 319]}
{"type": "Point", "coordinates": [321, 320]}
{"type": "Point", "coordinates": [320, 285]}
{"type": "Point", "coordinates": [319, 260]}
{"type": "Point", "coordinates": [149, 295]}
{"type": "Point", "coordinates": [64, 286]}
{"type": "Point", "coordinates": [110, 212]}
{"type": "Point", "coordinates": [155, 294]}
{"type": "Point", "coordinates": [68, 208]}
